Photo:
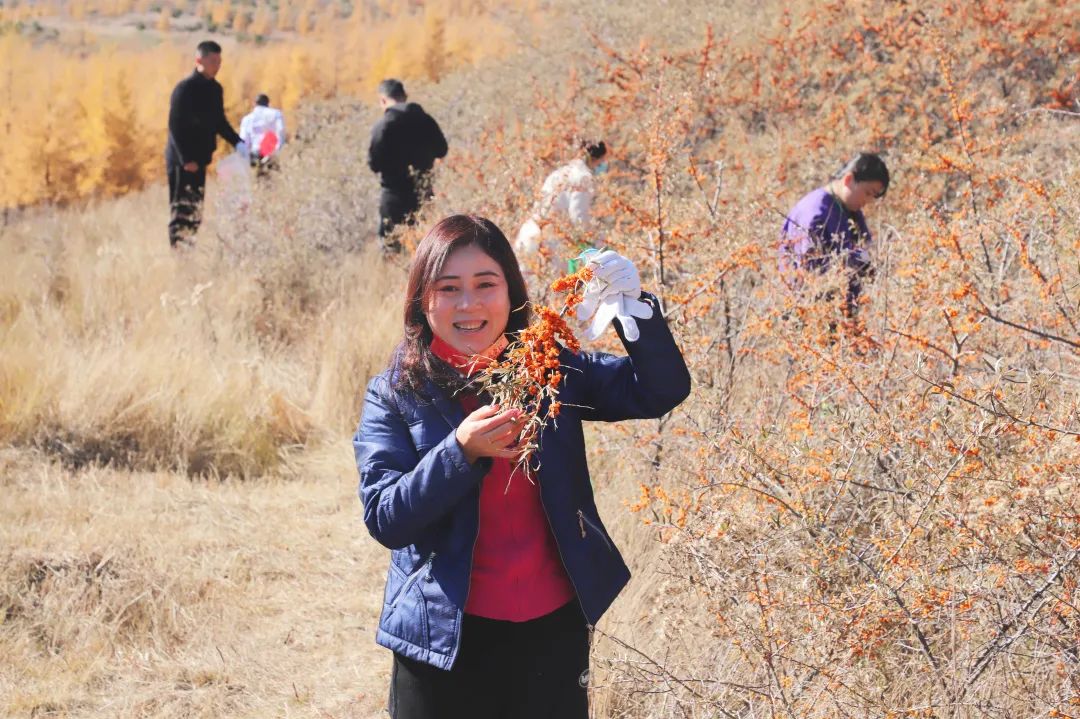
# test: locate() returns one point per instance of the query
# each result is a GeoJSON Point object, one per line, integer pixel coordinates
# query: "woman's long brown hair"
{"type": "Point", "coordinates": [414, 363]}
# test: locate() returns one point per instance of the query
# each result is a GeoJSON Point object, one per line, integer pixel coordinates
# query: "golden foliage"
{"type": "Point", "coordinates": [82, 107]}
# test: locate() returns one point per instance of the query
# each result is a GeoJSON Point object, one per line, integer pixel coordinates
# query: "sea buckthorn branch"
{"type": "Point", "coordinates": [528, 374]}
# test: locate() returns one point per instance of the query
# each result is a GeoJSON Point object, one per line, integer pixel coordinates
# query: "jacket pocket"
{"type": "Point", "coordinates": [424, 436]}
{"type": "Point", "coordinates": [411, 580]}
{"type": "Point", "coordinates": [585, 523]}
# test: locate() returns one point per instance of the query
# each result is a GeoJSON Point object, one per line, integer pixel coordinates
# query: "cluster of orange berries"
{"type": "Point", "coordinates": [573, 282]}
{"type": "Point", "coordinates": [539, 343]}
{"type": "Point", "coordinates": [529, 372]}
{"type": "Point", "coordinates": [535, 353]}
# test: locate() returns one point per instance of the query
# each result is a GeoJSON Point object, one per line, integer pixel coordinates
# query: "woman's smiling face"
{"type": "Point", "coordinates": [469, 302]}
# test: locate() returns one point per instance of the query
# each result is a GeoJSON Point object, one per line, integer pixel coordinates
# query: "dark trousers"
{"type": "Point", "coordinates": [185, 201]}
{"type": "Point", "coordinates": [504, 670]}
{"type": "Point", "coordinates": [396, 207]}
{"type": "Point", "coordinates": [263, 166]}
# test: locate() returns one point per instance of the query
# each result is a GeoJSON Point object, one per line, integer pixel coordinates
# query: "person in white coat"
{"type": "Point", "coordinates": [567, 196]}
{"type": "Point", "coordinates": [263, 129]}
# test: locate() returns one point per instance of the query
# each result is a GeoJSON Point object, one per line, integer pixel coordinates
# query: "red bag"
{"type": "Point", "coordinates": [269, 144]}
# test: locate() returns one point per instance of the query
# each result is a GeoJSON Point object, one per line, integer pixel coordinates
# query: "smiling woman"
{"type": "Point", "coordinates": [470, 304]}
{"type": "Point", "coordinates": [494, 578]}
{"type": "Point", "coordinates": [444, 267]}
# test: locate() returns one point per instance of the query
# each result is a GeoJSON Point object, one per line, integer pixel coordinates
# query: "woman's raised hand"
{"type": "Point", "coordinates": [613, 292]}
{"type": "Point", "coordinates": [490, 431]}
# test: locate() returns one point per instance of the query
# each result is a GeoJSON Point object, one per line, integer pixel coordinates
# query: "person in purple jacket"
{"type": "Point", "coordinates": [828, 225]}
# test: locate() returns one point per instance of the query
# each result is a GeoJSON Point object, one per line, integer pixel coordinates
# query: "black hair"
{"type": "Point", "coordinates": [392, 89]}
{"type": "Point", "coordinates": [262, 99]}
{"type": "Point", "coordinates": [867, 167]}
{"type": "Point", "coordinates": [594, 149]}
{"type": "Point", "coordinates": [207, 47]}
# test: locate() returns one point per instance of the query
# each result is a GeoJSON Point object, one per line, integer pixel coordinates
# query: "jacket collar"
{"type": "Point", "coordinates": [450, 407]}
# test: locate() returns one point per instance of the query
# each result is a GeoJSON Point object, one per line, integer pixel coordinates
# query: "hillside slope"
{"type": "Point", "coordinates": [848, 518]}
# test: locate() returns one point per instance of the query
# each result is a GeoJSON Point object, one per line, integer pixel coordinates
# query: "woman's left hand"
{"type": "Point", "coordinates": [613, 292]}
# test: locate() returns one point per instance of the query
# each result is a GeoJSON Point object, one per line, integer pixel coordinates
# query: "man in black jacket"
{"type": "Point", "coordinates": [404, 146]}
{"type": "Point", "coordinates": [196, 118]}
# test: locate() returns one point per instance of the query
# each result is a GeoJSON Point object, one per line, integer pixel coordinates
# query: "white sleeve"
{"type": "Point", "coordinates": [245, 130]}
{"type": "Point", "coordinates": [580, 206]}
{"type": "Point", "coordinates": [549, 194]}
{"type": "Point", "coordinates": [527, 241]}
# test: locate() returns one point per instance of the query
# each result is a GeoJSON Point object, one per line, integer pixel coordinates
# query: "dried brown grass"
{"type": "Point", "coordinates": [147, 594]}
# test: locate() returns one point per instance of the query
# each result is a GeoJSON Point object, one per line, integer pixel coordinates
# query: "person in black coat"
{"type": "Point", "coordinates": [196, 118]}
{"type": "Point", "coordinates": [405, 143]}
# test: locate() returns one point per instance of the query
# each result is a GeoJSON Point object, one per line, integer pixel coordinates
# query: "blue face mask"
{"type": "Point", "coordinates": [601, 168]}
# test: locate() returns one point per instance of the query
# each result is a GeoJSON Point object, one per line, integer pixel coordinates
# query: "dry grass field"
{"type": "Point", "coordinates": [131, 593]}
{"type": "Point", "coordinates": [847, 519]}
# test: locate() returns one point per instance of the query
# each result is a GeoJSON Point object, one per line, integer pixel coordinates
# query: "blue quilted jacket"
{"type": "Point", "coordinates": [422, 497]}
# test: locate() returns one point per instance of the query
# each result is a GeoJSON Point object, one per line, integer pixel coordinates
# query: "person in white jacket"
{"type": "Point", "coordinates": [263, 129]}
{"type": "Point", "coordinates": [567, 195]}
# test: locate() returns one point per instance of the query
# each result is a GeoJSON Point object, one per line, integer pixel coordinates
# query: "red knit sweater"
{"type": "Point", "coordinates": [517, 573]}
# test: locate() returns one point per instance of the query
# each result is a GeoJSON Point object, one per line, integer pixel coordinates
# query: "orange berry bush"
{"type": "Point", "coordinates": [861, 517]}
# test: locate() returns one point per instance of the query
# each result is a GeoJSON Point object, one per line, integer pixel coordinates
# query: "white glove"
{"type": "Point", "coordinates": [625, 310]}
{"type": "Point", "coordinates": [612, 293]}
{"type": "Point", "coordinates": [613, 274]}
{"type": "Point", "coordinates": [242, 149]}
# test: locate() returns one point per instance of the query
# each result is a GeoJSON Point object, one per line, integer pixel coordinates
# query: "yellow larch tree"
{"type": "Point", "coordinates": [221, 14]}
{"type": "Point", "coordinates": [241, 21]}
{"type": "Point", "coordinates": [303, 78]}
{"type": "Point", "coordinates": [262, 22]}
{"type": "Point", "coordinates": [8, 140]}
{"type": "Point", "coordinates": [333, 65]}
{"type": "Point", "coordinates": [361, 15]}
{"type": "Point", "coordinates": [356, 57]}
{"type": "Point", "coordinates": [285, 15]}
{"type": "Point", "coordinates": [435, 60]}
{"type": "Point", "coordinates": [51, 152]}
{"type": "Point", "coordinates": [125, 142]}
{"type": "Point", "coordinates": [307, 21]}
{"type": "Point", "coordinates": [304, 23]}
{"type": "Point", "coordinates": [328, 23]}
{"type": "Point", "coordinates": [396, 55]}
{"type": "Point", "coordinates": [91, 149]}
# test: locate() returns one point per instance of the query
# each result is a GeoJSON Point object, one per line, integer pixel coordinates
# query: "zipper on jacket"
{"type": "Point", "coordinates": [583, 520]}
{"type": "Point", "coordinates": [468, 587]}
{"type": "Point", "coordinates": [577, 594]}
{"type": "Point", "coordinates": [411, 579]}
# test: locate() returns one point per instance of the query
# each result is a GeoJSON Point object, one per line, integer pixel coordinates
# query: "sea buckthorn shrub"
{"type": "Point", "coordinates": [872, 515]}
